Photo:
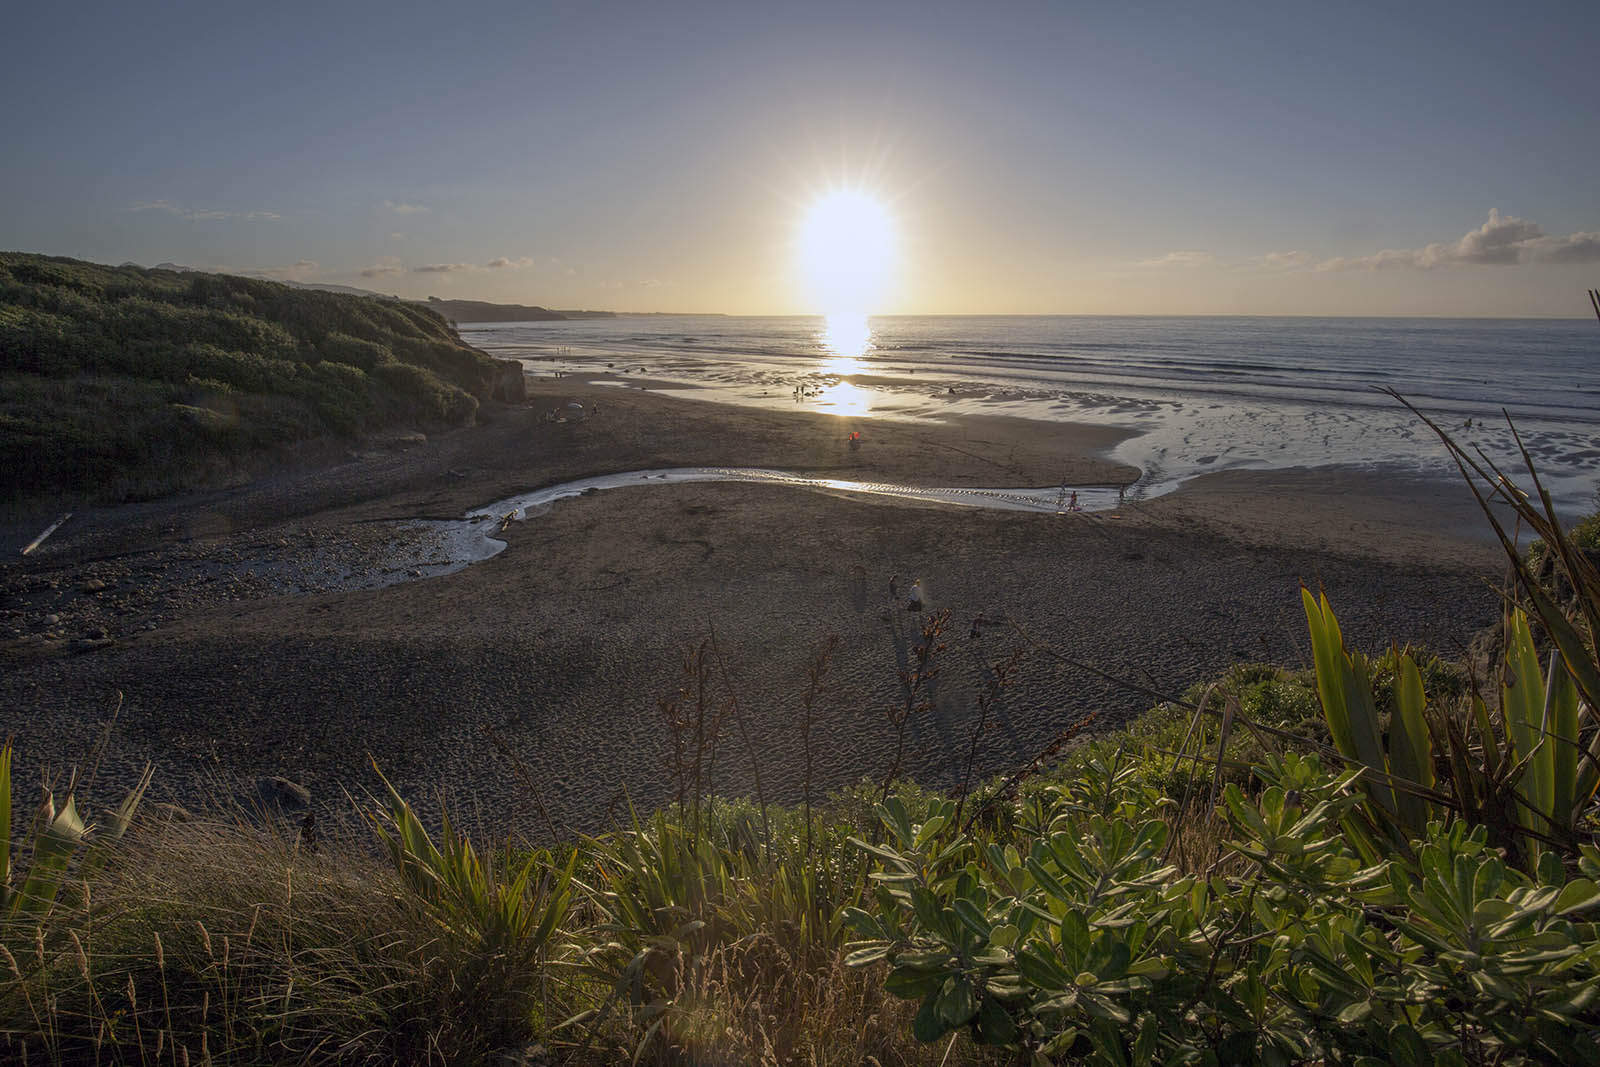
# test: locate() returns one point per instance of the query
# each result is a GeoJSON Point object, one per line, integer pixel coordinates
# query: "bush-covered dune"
{"type": "Point", "coordinates": [121, 382]}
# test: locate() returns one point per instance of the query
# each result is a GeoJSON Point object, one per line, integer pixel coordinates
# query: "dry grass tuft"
{"type": "Point", "coordinates": [221, 943]}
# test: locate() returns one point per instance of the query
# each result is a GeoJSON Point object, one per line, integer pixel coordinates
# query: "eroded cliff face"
{"type": "Point", "coordinates": [509, 384]}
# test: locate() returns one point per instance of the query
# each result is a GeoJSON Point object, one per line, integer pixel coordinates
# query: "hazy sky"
{"type": "Point", "coordinates": [1280, 158]}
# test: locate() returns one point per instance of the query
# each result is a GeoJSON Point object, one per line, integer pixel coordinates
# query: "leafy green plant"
{"type": "Point", "coordinates": [496, 917]}
{"type": "Point", "coordinates": [502, 906]}
{"type": "Point", "coordinates": [1402, 777]}
{"type": "Point", "coordinates": [1525, 769]}
{"type": "Point", "coordinates": [1083, 943]}
{"type": "Point", "coordinates": [1544, 720]}
{"type": "Point", "coordinates": [55, 838]}
{"type": "Point", "coordinates": [1583, 534]}
{"type": "Point", "coordinates": [1573, 628]}
{"type": "Point", "coordinates": [670, 901]}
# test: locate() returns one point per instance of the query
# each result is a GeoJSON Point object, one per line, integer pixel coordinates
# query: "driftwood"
{"type": "Point", "coordinates": [48, 530]}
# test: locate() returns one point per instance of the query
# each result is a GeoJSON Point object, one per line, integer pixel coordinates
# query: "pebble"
{"type": "Point", "coordinates": [277, 792]}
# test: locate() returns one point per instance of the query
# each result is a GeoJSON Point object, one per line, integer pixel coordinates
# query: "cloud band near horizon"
{"type": "Point", "coordinates": [1502, 241]}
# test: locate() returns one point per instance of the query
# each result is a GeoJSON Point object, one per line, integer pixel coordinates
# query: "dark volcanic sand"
{"type": "Point", "coordinates": [567, 641]}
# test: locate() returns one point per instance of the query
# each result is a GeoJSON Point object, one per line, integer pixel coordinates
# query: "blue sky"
{"type": "Point", "coordinates": [1096, 158]}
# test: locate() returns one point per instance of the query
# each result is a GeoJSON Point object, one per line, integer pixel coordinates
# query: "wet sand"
{"type": "Point", "coordinates": [566, 643]}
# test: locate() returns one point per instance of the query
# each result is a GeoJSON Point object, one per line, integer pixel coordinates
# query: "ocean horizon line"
{"type": "Point", "coordinates": [1089, 315]}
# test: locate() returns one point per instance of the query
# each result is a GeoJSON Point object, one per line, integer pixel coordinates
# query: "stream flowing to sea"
{"type": "Point", "coordinates": [449, 545]}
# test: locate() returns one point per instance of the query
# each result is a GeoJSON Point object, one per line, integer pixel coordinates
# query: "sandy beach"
{"type": "Point", "coordinates": [565, 644]}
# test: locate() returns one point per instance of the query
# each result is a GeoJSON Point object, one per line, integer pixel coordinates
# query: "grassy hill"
{"type": "Point", "coordinates": [122, 382]}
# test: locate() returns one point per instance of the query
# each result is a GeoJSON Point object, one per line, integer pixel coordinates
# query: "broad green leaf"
{"type": "Point", "coordinates": [955, 1002]}
{"type": "Point", "coordinates": [910, 984]}
{"type": "Point", "coordinates": [1522, 701]}
{"type": "Point", "coordinates": [995, 1025]}
{"type": "Point", "coordinates": [863, 956]}
{"type": "Point", "coordinates": [1561, 722]}
{"type": "Point", "coordinates": [971, 917]}
{"type": "Point", "coordinates": [928, 1026]}
{"type": "Point", "coordinates": [52, 851]}
{"type": "Point", "coordinates": [1579, 657]}
{"type": "Point", "coordinates": [1410, 747]}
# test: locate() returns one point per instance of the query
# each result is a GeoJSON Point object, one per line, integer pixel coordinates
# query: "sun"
{"type": "Point", "coordinates": [846, 252]}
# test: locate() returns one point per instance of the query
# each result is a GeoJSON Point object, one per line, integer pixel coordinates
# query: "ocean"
{"type": "Point", "coordinates": [1199, 394]}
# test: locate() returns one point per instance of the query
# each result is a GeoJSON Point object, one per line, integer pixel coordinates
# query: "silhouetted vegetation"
{"type": "Point", "coordinates": [122, 382]}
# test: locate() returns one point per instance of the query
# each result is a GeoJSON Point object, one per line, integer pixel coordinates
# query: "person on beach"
{"type": "Point", "coordinates": [1072, 504]}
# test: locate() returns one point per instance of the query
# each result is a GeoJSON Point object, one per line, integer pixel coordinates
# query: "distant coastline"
{"type": "Point", "coordinates": [484, 311]}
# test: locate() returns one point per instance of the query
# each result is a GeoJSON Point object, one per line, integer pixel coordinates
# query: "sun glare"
{"type": "Point", "coordinates": [846, 252]}
{"type": "Point", "coordinates": [845, 338]}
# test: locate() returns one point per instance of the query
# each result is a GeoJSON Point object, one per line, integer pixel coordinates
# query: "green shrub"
{"type": "Point", "coordinates": [423, 396]}
{"type": "Point", "coordinates": [342, 348]}
{"type": "Point", "coordinates": [1082, 940]}
{"type": "Point", "coordinates": [1583, 534]}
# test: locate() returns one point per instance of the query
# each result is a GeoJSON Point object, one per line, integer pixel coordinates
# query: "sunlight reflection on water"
{"type": "Point", "coordinates": [846, 339]}
{"type": "Point", "coordinates": [843, 398]}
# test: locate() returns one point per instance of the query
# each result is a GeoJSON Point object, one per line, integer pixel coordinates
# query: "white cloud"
{"type": "Point", "coordinates": [1581, 247]}
{"type": "Point", "coordinates": [506, 261]}
{"type": "Point", "coordinates": [1180, 259]}
{"type": "Point", "coordinates": [295, 272]}
{"type": "Point", "coordinates": [1292, 260]}
{"type": "Point", "coordinates": [443, 268]}
{"type": "Point", "coordinates": [385, 266]}
{"type": "Point", "coordinates": [406, 209]}
{"type": "Point", "coordinates": [1503, 240]}
{"type": "Point", "coordinates": [199, 214]}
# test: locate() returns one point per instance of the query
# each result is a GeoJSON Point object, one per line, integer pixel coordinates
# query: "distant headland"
{"type": "Point", "coordinates": [484, 311]}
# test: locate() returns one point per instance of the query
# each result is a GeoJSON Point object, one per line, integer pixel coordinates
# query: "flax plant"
{"type": "Point", "coordinates": [1526, 767]}
{"type": "Point", "coordinates": [55, 837]}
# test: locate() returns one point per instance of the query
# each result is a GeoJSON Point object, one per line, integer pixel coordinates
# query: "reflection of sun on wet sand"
{"type": "Point", "coordinates": [566, 641]}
